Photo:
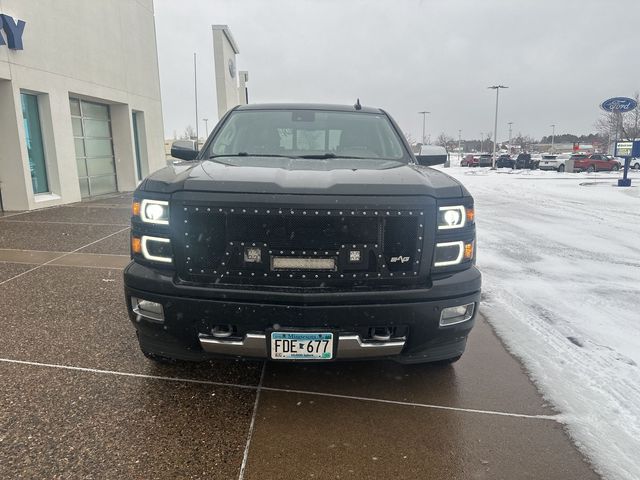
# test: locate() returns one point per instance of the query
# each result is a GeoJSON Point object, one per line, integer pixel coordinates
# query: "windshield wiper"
{"type": "Point", "coordinates": [245, 154]}
{"type": "Point", "coordinates": [323, 156]}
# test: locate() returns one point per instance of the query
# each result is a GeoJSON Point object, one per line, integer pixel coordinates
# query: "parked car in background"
{"type": "Point", "coordinates": [485, 160]}
{"type": "Point", "coordinates": [469, 160]}
{"type": "Point", "coordinates": [535, 160]}
{"type": "Point", "coordinates": [524, 161]}
{"type": "Point", "coordinates": [596, 162]}
{"type": "Point", "coordinates": [466, 160]}
{"type": "Point", "coordinates": [505, 161]}
{"type": "Point", "coordinates": [554, 162]}
{"type": "Point", "coordinates": [635, 163]}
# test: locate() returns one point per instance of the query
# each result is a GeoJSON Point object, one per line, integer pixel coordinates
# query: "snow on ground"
{"type": "Point", "coordinates": [560, 257]}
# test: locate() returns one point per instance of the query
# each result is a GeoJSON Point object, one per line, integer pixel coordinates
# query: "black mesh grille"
{"type": "Point", "coordinates": [293, 231]}
{"type": "Point", "coordinates": [363, 245]}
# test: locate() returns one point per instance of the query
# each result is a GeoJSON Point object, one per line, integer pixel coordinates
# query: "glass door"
{"type": "Point", "coordinates": [94, 148]}
{"type": "Point", "coordinates": [33, 135]}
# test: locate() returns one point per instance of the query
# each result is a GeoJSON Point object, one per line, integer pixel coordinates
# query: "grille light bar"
{"type": "Point", "coordinates": [302, 263]}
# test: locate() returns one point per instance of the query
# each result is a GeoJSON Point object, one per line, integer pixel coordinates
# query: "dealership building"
{"type": "Point", "coordinates": [80, 110]}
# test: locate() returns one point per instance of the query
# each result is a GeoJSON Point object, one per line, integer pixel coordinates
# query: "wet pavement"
{"type": "Point", "coordinates": [78, 399]}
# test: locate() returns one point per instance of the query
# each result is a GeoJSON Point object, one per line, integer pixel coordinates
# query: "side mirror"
{"type": "Point", "coordinates": [184, 149]}
{"type": "Point", "coordinates": [429, 160]}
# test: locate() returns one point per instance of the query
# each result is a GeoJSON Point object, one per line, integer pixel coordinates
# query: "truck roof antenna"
{"type": "Point", "coordinates": [357, 106]}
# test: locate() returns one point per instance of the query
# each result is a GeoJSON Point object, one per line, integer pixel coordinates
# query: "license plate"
{"type": "Point", "coordinates": [301, 346]}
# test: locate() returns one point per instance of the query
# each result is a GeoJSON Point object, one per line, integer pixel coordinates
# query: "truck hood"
{"type": "Point", "coordinates": [270, 175]}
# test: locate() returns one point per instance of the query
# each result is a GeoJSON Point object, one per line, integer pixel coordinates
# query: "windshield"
{"type": "Point", "coordinates": [308, 134]}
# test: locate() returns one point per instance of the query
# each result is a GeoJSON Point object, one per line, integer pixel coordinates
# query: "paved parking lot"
{"type": "Point", "coordinates": [78, 399]}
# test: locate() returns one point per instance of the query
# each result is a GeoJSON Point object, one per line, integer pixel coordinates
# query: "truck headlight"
{"type": "Point", "coordinates": [155, 249]}
{"type": "Point", "coordinates": [152, 211]}
{"type": "Point", "coordinates": [453, 217]}
{"type": "Point", "coordinates": [452, 253]}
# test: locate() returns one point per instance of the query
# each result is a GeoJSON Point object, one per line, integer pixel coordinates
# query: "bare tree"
{"type": "Point", "coordinates": [189, 133]}
{"type": "Point", "coordinates": [444, 140]}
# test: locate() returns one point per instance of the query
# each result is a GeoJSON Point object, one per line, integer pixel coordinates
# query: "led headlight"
{"type": "Point", "coordinates": [452, 253]}
{"type": "Point", "coordinates": [154, 211]}
{"type": "Point", "coordinates": [156, 249]}
{"type": "Point", "coordinates": [452, 217]}
{"type": "Point", "coordinates": [448, 253]}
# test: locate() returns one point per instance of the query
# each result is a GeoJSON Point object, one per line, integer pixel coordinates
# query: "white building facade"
{"type": "Point", "coordinates": [80, 107]}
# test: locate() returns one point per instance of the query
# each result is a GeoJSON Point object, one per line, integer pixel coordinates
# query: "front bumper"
{"type": "Point", "coordinates": [192, 313]}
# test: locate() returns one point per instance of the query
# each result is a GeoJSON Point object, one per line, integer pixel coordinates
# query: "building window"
{"type": "Point", "coordinates": [33, 135]}
{"type": "Point", "coordinates": [91, 125]}
{"type": "Point", "coordinates": [136, 139]}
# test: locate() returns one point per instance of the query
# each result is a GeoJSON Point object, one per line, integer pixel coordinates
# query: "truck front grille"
{"type": "Point", "coordinates": [284, 246]}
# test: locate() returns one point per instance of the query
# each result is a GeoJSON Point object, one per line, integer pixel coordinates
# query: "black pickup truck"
{"type": "Point", "coordinates": [303, 233]}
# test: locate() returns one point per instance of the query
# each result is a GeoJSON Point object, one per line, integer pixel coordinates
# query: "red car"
{"type": "Point", "coordinates": [596, 162]}
{"type": "Point", "coordinates": [470, 160]}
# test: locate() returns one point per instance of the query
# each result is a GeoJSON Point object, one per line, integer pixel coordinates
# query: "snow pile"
{"type": "Point", "coordinates": [560, 255]}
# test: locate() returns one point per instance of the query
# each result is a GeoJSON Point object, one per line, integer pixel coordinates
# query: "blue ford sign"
{"type": "Point", "coordinates": [13, 30]}
{"type": "Point", "coordinates": [619, 104]}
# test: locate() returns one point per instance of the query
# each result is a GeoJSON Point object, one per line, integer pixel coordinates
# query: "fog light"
{"type": "Point", "coordinates": [252, 255]}
{"type": "Point", "coordinates": [459, 314]}
{"type": "Point", "coordinates": [147, 309]}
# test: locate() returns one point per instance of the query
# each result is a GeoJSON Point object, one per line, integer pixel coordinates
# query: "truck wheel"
{"type": "Point", "coordinates": [561, 169]}
{"type": "Point", "coordinates": [591, 169]}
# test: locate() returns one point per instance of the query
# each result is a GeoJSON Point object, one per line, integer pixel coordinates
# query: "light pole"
{"type": "Point", "coordinates": [510, 124]}
{"type": "Point", "coordinates": [424, 125]}
{"type": "Point", "coordinates": [459, 144]}
{"type": "Point", "coordinates": [481, 140]}
{"type": "Point", "coordinates": [553, 136]}
{"type": "Point", "coordinates": [206, 126]}
{"type": "Point", "coordinates": [195, 91]}
{"type": "Point", "coordinates": [495, 124]}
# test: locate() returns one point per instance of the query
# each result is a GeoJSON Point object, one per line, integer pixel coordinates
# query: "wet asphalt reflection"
{"type": "Point", "coordinates": [78, 399]}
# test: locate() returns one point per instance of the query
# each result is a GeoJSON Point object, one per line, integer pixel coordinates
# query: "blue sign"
{"type": "Point", "coordinates": [627, 149]}
{"type": "Point", "coordinates": [619, 104]}
{"type": "Point", "coordinates": [13, 30]}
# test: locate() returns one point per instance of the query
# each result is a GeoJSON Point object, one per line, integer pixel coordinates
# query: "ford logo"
{"type": "Point", "coordinates": [619, 104]}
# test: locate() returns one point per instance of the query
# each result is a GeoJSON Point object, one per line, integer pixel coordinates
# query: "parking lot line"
{"type": "Point", "coordinates": [245, 455]}
{"type": "Point", "coordinates": [63, 255]}
{"type": "Point", "coordinates": [284, 390]}
{"type": "Point", "coordinates": [65, 223]}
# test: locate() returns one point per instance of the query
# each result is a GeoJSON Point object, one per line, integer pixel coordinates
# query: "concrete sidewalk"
{"type": "Point", "coordinates": [78, 399]}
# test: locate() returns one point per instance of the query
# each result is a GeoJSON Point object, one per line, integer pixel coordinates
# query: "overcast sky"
{"type": "Point", "coordinates": [560, 59]}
